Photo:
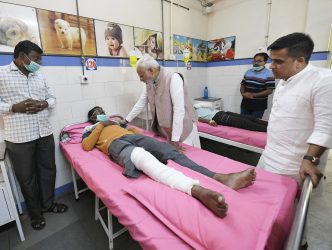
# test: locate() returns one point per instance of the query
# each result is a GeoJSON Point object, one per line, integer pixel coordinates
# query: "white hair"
{"type": "Point", "coordinates": [147, 62]}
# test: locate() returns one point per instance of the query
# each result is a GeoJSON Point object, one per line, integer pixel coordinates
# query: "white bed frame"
{"type": "Point", "coordinates": [107, 226]}
{"type": "Point", "coordinates": [296, 233]}
{"type": "Point", "coordinates": [230, 142]}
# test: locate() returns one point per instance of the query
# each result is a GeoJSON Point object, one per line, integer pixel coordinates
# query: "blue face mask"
{"type": "Point", "coordinates": [33, 66]}
{"type": "Point", "coordinates": [102, 118]}
{"type": "Point", "coordinates": [258, 68]}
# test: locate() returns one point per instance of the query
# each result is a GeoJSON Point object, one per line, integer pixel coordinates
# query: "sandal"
{"type": "Point", "coordinates": [39, 223]}
{"type": "Point", "coordinates": [57, 208]}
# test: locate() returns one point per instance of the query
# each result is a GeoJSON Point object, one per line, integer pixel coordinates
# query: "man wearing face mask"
{"type": "Point", "coordinates": [257, 84]}
{"type": "Point", "coordinates": [25, 100]}
{"type": "Point", "coordinates": [173, 114]}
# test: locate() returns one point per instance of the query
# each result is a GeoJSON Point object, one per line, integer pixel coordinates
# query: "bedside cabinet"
{"type": "Point", "coordinates": [215, 102]}
{"type": "Point", "coordinates": [8, 211]}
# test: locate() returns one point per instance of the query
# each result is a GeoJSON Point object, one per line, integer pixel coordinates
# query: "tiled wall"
{"type": "Point", "coordinates": [117, 89]}
{"type": "Point", "coordinates": [224, 81]}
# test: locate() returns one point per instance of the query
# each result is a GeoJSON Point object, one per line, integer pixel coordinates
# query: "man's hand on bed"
{"type": "Point", "coordinates": [178, 146]}
{"type": "Point", "coordinates": [308, 168]}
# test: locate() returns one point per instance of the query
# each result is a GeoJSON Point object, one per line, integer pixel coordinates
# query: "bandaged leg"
{"type": "Point", "coordinates": [147, 163]}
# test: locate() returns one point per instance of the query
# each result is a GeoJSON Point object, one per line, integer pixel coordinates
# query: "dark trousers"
{"type": "Point", "coordinates": [121, 149]}
{"type": "Point", "coordinates": [34, 167]}
{"type": "Point", "coordinates": [240, 121]}
{"type": "Point", "coordinates": [253, 113]}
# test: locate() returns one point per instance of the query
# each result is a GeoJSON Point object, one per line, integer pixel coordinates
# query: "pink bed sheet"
{"type": "Point", "coordinates": [105, 179]}
{"type": "Point", "coordinates": [253, 138]}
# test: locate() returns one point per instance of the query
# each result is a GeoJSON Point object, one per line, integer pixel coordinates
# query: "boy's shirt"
{"type": "Point", "coordinates": [101, 137]}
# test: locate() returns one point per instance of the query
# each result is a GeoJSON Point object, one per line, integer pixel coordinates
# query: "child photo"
{"type": "Point", "coordinates": [149, 42]}
{"type": "Point", "coordinates": [17, 23]}
{"type": "Point", "coordinates": [114, 39]}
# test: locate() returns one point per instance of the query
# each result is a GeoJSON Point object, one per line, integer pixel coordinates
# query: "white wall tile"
{"type": "Point", "coordinates": [55, 75]}
{"type": "Point", "coordinates": [93, 91]}
{"type": "Point", "coordinates": [80, 109]}
{"type": "Point", "coordinates": [68, 93]}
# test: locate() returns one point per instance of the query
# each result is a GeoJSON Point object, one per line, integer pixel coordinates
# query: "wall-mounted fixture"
{"type": "Point", "coordinates": [207, 6]}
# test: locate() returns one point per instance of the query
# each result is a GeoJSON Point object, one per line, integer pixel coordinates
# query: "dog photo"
{"type": "Point", "coordinates": [69, 36]}
{"type": "Point", "coordinates": [17, 23]}
{"type": "Point", "coordinates": [60, 33]}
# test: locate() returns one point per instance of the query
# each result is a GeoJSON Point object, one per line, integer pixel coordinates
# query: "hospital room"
{"type": "Point", "coordinates": [166, 124]}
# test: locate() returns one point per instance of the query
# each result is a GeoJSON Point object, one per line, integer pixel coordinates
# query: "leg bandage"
{"type": "Point", "coordinates": [147, 163]}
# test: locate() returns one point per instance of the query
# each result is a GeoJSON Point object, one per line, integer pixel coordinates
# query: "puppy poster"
{"type": "Point", "coordinates": [221, 49]}
{"type": "Point", "coordinates": [149, 42]}
{"type": "Point", "coordinates": [17, 23]}
{"type": "Point", "coordinates": [60, 34]}
{"type": "Point", "coordinates": [114, 40]}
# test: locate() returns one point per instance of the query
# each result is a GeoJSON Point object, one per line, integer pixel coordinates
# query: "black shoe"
{"type": "Point", "coordinates": [304, 246]}
{"type": "Point", "coordinates": [38, 223]}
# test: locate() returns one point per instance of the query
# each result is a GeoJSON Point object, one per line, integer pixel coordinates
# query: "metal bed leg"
{"type": "Point", "coordinates": [74, 182]}
{"type": "Point", "coordinates": [295, 236]}
{"type": "Point", "coordinates": [96, 207]}
{"type": "Point", "coordinates": [110, 230]}
{"type": "Point", "coordinates": [77, 192]}
{"type": "Point", "coordinates": [109, 227]}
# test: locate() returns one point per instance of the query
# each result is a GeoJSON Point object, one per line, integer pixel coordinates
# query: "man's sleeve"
{"type": "Point", "coordinates": [50, 97]}
{"type": "Point", "coordinates": [4, 107]}
{"type": "Point", "coordinates": [139, 106]}
{"type": "Point", "coordinates": [177, 96]}
{"type": "Point", "coordinates": [322, 103]}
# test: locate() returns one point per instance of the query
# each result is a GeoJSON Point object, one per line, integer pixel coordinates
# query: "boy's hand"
{"type": "Point", "coordinates": [108, 123]}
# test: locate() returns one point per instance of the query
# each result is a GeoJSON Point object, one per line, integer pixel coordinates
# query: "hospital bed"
{"type": "Point", "coordinates": [159, 217]}
{"type": "Point", "coordinates": [241, 138]}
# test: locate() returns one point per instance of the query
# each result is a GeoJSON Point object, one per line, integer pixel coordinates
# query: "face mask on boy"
{"type": "Point", "coordinates": [102, 118]}
{"type": "Point", "coordinates": [32, 67]}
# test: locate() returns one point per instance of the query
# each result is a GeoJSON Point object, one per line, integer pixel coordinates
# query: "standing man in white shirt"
{"type": "Point", "coordinates": [173, 113]}
{"type": "Point", "coordinates": [300, 124]}
{"type": "Point", "coordinates": [25, 100]}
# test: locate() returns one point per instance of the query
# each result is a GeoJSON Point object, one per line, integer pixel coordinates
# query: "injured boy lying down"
{"type": "Point", "coordinates": [138, 153]}
{"type": "Point", "coordinates": [215, 117]}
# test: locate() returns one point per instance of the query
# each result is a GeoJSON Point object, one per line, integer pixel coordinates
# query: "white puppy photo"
{"type": "Point", "coordinates": [69, 37]}
{"type": "Point", "coordinates": [17, 23]}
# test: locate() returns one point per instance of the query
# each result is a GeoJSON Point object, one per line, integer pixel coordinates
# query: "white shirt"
{"type": "Point", "coordinates": [177, 96]}
{"type": "Point", "coordinates": [16, 87]}
{"type": "Point", "coordinates": [301, 114]}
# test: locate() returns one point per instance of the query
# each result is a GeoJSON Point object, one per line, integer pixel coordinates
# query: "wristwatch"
{"type": "Point", "coordinates": [313, 159]}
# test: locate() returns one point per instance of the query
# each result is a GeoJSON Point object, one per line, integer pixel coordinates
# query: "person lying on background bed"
{"type": "Point", "coordinates": [139, 153]}
{"type": "Point", "coordinates": [216, 117]}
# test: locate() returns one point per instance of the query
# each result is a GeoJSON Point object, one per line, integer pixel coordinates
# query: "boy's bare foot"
{"type": "Point", "coordinates": [237, 180]}
{"type": "Point", "coordinates": [211, 199]}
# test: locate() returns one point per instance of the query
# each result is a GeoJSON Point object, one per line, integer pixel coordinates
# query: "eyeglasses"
{"type": "Point", "coordinates": [257, 61]}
